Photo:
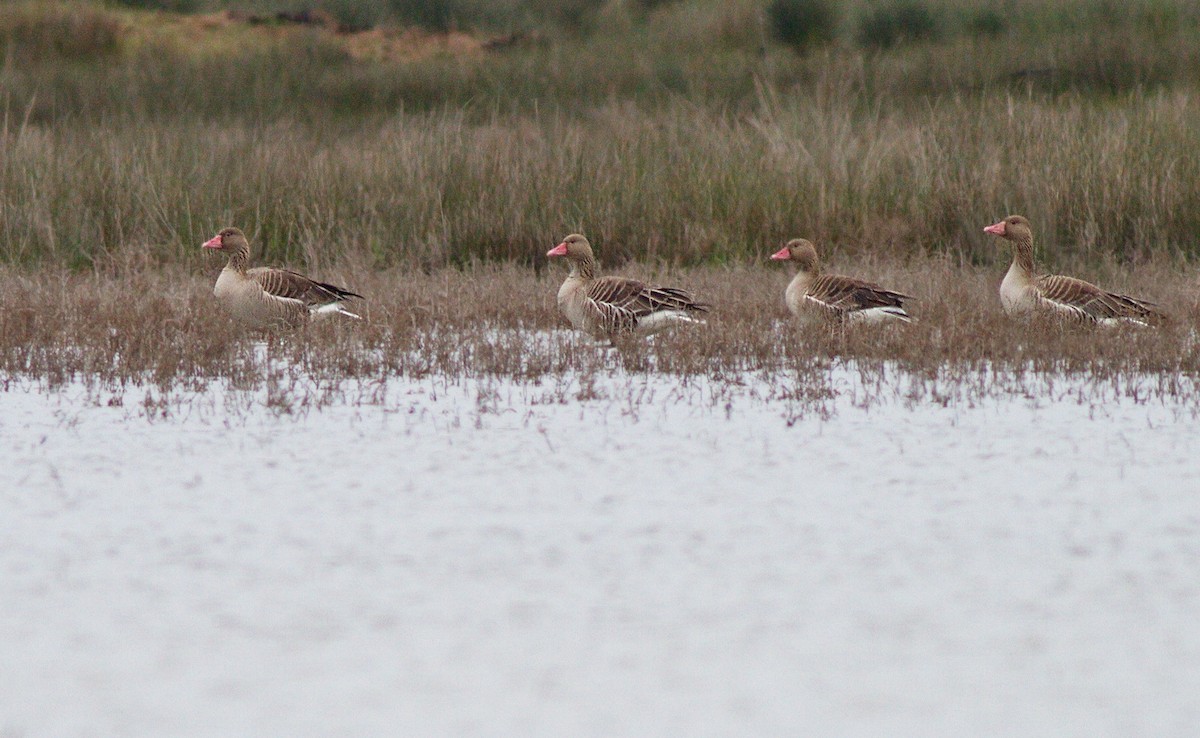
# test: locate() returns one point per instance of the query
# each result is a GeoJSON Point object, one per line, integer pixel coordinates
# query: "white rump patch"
{"type": "Point", "coordinates": [1121, 322]}
{"type": "Point", "coordinates": [664, 319]}
{"type": "Point", "coordinates": [333, 307]}
{"type": "Point", "coordinates": [880, 315]}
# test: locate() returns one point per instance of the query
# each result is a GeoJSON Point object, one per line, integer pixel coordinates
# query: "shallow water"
{"type": "Point", "coordinates": [475, 557]}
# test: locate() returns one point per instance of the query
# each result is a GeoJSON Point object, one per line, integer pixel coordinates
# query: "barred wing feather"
{"type": "Point", "coordinates": [289, 285]}
{"type": "Point", "coordinates": [1091, 302]}
{"type": "Point", "coordinates": [847, 295]}
{"type": "Point", "coordinates": [622, 302]}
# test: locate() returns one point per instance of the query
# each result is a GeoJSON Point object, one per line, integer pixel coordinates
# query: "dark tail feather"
{"type": "Point", "coordinates": [340, 293]}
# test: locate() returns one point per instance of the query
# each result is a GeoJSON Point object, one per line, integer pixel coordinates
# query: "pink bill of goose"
{"type": "Point", "coordinates": [1024, 292]}
{"type": "Point", "coordinates": [815, 296]}
{"type": "Point", "coordinates": [608, 307]}
{"type": "Point", "coordinates": [266, 296]}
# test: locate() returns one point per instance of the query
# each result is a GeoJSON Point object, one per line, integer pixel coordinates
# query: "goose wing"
{"type": "Point", "coordinates": [288, 285]}
{"type": "Point", "coordinates": [846, 294]}
{"type": "Point", "coordinates": [621, 301]}
{"type": "Point", "coordinates": [1091, 302]}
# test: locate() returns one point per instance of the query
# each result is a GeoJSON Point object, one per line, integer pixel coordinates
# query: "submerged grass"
{"type": "Point", "coordinates": [500, 323]}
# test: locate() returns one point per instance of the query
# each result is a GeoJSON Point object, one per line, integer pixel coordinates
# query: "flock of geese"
{"type": "Point", "coordinates": [609, 307]}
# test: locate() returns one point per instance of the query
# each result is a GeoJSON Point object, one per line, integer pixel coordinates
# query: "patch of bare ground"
{"type": "Point", "coordinates": [162, 328]}
{"type": "Point", "coordinates": [410, 44]}
{"type": "Point", "coordinates": [217, 32]}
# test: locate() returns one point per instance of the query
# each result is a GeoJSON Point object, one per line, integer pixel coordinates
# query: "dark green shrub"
{"type": "Point", "coordinates": [802, 24]}
{"type": "Point", "coordinates": [349, 14]}
{"type": "Point", "coordinates": [986, 23]}
{"type": "Point", "coordinates": [433, 15]}
{"type": "Point", "coordinates": [652, 5]}
{"type": "Point", "coordinates": [444, 15]}
{"type": "Point", "coordinates": [900, 22]}
{"type": "Point", "coordinates": [175, 6]}
{"type": "Point", "coordinates": [1160, 19]}
{"type": "Point", "coordinates": [572, 15]}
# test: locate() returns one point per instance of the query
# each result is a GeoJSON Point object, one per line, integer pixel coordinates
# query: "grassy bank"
{"type": "Point", "coordinates": [94, 61]}
{"type": "Point", "coordinates": [676, 183]}
{"type": "Point", "coordinates": [687, 132]}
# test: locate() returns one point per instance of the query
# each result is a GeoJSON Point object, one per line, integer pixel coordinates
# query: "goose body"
{"type": "Point", "coordinates": [265, 296]}
{"type": "Point", "coordinates": [607, 307]}
{"type": "Point", "coordinates": [813, 296]}
{"type": "Point", "coordinates": [1025, 293]}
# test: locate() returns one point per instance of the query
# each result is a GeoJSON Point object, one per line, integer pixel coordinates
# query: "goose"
{"type": "Point", "coordinates": [264, 295]}
{"type": "Point", "coordinates": [607, 307]}
{"type": "Point", "coordinates": [1023, 292]}
{"type": "Point", "coordinates": [813, 296]}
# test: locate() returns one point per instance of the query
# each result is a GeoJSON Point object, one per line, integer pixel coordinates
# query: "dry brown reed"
{"type": "Point", "coordinates": [136, 327]}
{"type": "Point", "coordinates": [678, 184]}
{"type": "Point", "coordinates": [644, 136]}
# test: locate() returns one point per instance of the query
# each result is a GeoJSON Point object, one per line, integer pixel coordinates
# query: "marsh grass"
{"type": "Point", "coordinates": [500, 324]}
{"type": "Point", "coordinates": [678, 184]}
{"type": "Point", "coordinates": [678, 136]}
{"type": "Point", "coordinates": [668, 135]}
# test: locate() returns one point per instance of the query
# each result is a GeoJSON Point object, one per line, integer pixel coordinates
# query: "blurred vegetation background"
{"type": "Point", "coordinates": [688, 131]}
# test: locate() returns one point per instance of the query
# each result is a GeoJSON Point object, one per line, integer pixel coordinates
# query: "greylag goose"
{"type": "Point", "coordinates": [1024, 292]}
{"type": "Point", "coordinates": [606, 307]}
{"type": "Point", "coordinates": [264, 295]}
{"type": "Point", "coordinates": [812, 295]}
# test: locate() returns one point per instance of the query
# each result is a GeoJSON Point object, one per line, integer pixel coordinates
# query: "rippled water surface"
{"type": "Point", "coordinates": [473, 557]}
